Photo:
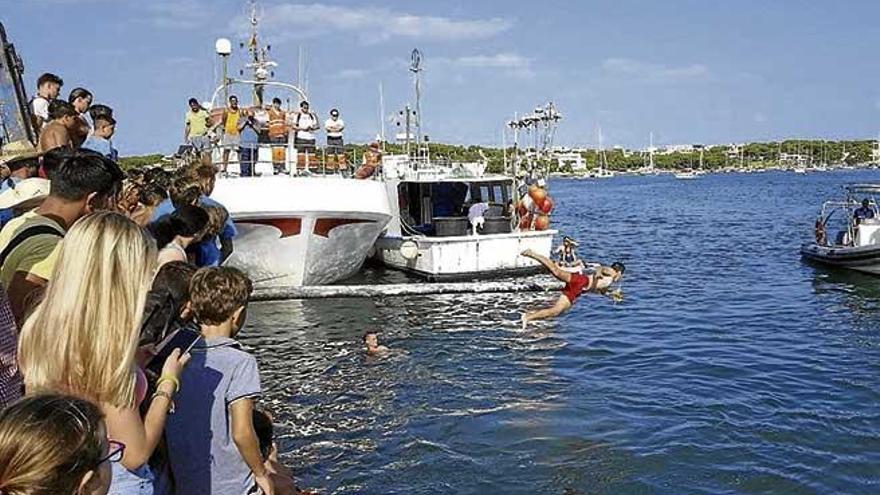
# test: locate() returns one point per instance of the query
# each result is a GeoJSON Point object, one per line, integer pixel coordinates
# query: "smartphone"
{"type": "Point", "coordinates": [183, 339]}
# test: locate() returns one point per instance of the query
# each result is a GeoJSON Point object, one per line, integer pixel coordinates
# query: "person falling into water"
{"type": "Point", "coordinates": [598, 282]}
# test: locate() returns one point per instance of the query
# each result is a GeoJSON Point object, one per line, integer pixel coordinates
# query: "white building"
{"type": "Point", "coordinates": [574, 158]}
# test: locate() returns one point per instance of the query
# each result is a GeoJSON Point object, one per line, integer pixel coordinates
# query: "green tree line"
{"type": "Point", "coordinates": [752, 155]}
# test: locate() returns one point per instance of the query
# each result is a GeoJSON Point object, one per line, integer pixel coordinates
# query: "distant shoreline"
{"type": "Point", "coordinates": [787, 154]}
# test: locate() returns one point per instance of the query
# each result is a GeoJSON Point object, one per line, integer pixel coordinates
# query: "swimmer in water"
{"type": "Point", "coordinates": [598, 282]}
{"type": "Point", "coordinates": [371, 342]}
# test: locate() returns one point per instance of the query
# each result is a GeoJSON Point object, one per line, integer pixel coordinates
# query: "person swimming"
{"type": "Point", "coordinates": [371, 343]}
{"type": "Point", "coordinates": [598, 282]}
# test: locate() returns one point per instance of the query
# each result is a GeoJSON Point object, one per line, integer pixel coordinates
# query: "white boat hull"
{"type": "Point", "coordinates": [300, 230]}
{"type": "Point", "coordinates": [463, 257]}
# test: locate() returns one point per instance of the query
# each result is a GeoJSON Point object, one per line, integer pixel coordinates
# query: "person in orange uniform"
{"type": "Point", "coordinates": [372, 160]}
{"type": "Point", "coordinates": [277, 132]}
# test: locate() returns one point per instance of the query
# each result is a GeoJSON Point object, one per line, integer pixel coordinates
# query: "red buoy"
{"type": "Point", "coordinates": [537, 193]}
{"type": "Point", "coordinates": [542, 222]}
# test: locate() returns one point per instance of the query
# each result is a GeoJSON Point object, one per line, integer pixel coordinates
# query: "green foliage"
{"type": "Point", "coordinates": [142, 161]}
{"type": "Point", "coordinates": [753, 155]}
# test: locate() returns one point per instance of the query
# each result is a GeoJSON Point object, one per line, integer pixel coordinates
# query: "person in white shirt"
{"type": "Point", "coordinates": [304, 123]}
{"type": "Point", "coordinates": [48, 88]}
{"type": "Point", "coordinates": [334, 127]}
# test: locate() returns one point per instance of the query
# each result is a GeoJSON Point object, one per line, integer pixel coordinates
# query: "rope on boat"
{"type": "Point", "coordinates": [397, 290]}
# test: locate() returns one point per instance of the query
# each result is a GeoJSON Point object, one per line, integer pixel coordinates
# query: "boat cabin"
{"type": "Point", "coordinates": [443, 208]}
{"type": "Point", "coordinates": [440, 200]}
{"type": "Point", "coordinates": [852, 222]}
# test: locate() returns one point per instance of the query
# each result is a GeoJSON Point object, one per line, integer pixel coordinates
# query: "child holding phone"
{"type": "Point", "coordinates": [211, 438]}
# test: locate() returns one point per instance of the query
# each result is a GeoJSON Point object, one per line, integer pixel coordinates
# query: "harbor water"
{"type": "Point", "coordinates": [730, 367]}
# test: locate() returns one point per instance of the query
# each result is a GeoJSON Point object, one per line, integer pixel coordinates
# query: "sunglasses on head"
{"type": "Point", "coordinates": [114, 452]}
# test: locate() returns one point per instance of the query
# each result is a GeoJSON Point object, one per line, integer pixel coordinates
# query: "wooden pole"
{"type": "Point", "coordinates": [397, 290]}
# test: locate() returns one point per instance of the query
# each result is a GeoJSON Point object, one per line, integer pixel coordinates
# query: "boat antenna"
{"type": "Point", "coordinates": [416, 68]}
{"type": "Point", "coordinates": [260, 63]}
{"type": "Point", "coordinates": [382, 114]}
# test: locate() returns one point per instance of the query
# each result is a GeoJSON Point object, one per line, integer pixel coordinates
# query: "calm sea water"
{"type": "Point", "coordinates": [731, 366]}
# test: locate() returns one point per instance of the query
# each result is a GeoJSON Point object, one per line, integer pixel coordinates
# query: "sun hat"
{"type": "Point", "coordinates": [23, 191]}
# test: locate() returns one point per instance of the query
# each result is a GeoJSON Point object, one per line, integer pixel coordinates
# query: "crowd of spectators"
{"type": "Point", "coordinates": [120, 371]}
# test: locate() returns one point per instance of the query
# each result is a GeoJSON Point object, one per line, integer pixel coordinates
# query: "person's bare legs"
{"type": "Point", "coordinates": [226, 151]}
{"type": "Point", "coordinates": [561, 306]}
{"type": "Point", "coordinates": [551, 266]}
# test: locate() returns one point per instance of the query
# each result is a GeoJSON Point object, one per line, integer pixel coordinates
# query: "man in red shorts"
{"type": "Point", "coordinates": [575, 284]}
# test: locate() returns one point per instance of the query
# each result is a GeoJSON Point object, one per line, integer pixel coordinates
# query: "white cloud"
{"type": "Point", "coordinates": [654, 72]}
{"type": "Point", "coordinates": [352, 73]}
{"type": "Point", "coordinates": [369, 24]}
{"type": "Point", "coordinates": [512, 64]}
{"type": "Point", "coordinates": [503, 60]}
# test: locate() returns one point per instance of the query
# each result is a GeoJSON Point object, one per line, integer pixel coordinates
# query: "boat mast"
{"type": "Point", "coordinates": [416, 68]}
{"type": "Point", "coordinates": [260, 63]}
{"type": "Point", "coordinates": [382, 114]}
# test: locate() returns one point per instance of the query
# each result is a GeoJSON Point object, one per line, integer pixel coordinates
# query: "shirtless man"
{"type": "Point", "coordinates": [575, 284]}
{"type": "Point", "coordinates": [371, 342]}
{"type": "Point", "coordinates": [57, 133]}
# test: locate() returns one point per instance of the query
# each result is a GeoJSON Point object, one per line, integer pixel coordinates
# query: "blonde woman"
{"type": "Point", "coordinates": [81, 339]}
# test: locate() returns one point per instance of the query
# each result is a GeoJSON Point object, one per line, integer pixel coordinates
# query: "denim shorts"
{"type": "Point", "coordinates": [137, 482]}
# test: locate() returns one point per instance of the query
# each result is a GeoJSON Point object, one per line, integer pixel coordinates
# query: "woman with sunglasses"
{"type": "Point", "coordinates": [55, 444]}
{"type": "Point", "coordinates": [82, 339]}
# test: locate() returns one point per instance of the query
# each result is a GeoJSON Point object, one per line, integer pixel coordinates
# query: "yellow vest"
{"type": "Point", "coordinates": [231, 125]}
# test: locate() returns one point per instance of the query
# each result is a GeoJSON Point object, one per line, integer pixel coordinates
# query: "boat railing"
{"type": "Point", "coordinates": [280, 159]}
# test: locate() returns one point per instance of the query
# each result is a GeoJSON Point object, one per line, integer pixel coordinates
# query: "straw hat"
{"type": "Point", "coordinates": [23, 191]}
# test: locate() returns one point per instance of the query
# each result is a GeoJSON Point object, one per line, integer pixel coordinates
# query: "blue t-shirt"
{"type": "Point", "coordinates": [101, 145]}
{"type": "Point", "coordinates": [863, 213]}
{"type": "Point", "coordinates": [249, 137]}
{"type": "Point", "coordinates": [208, 253]}
{"type": "Point", "coordinates": [201, 450]}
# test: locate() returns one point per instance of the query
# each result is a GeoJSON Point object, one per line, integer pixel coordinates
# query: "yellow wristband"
{"type": "Point", "coordinates": [168, 378]}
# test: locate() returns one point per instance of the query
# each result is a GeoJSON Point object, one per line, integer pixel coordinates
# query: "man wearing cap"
{"type": "Point", "coordinates": [305, 123]}
{"type": "Point", "coordinates": [82, 182]}
{"type": "Point", "coordinates": [99, 141]}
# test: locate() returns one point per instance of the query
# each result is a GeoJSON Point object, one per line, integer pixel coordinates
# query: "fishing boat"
{"type": "Point", "coordinates": [302, 220]}
{"type": "Point", "coordinates": [856, 241]}
{"type": "Point", "coordinates": [456, 220]}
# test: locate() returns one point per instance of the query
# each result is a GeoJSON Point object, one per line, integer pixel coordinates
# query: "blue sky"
{"type": "Point", "coordinates": [690, 71]}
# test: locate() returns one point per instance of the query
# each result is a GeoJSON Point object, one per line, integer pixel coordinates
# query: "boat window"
{"type": "Point", "coordinates": [485, 194]}
{"type": "Point", "coordinates": [498, 194]}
